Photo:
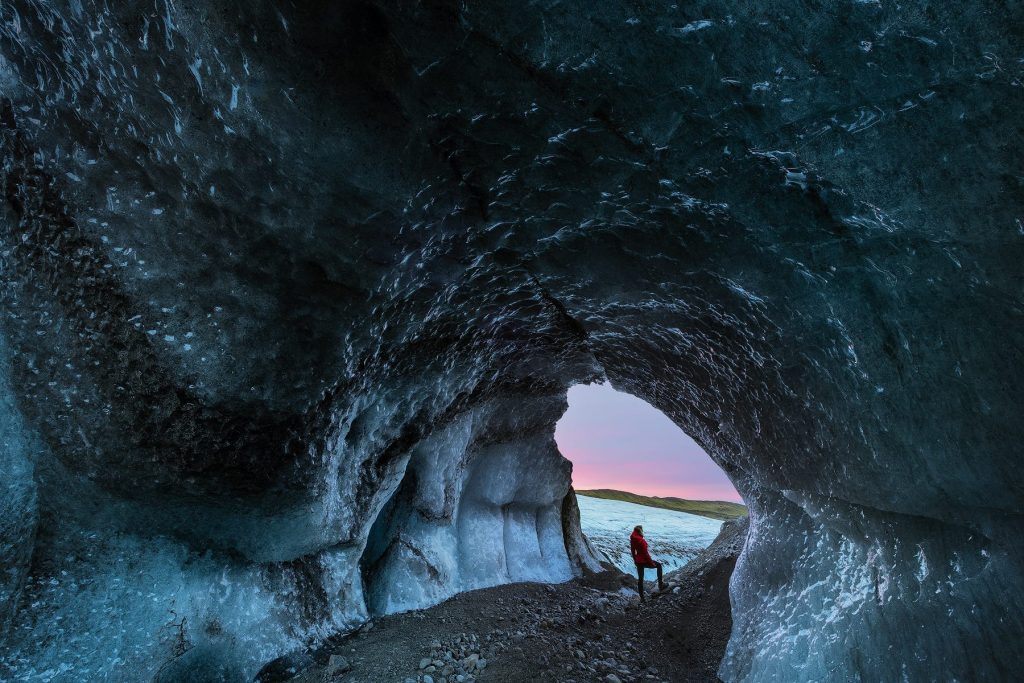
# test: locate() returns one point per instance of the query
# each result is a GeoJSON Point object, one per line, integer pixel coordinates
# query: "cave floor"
{"type": "Point", "coordinates": [583, 630]}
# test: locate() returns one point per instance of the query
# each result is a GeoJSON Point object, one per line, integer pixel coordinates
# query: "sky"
{"type": "Point", "coordinates": [617, 441]}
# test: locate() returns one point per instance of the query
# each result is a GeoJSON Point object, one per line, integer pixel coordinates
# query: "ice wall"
{"type": "Point", "coordinates": [272, 272]}
{"type": "Point", "coordinates": [18, 503]}
{"type": "Point", "coordinates": [481, 503]}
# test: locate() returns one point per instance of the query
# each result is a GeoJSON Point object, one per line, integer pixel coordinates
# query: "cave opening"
{"type": "Point", "coordinates": [484, 499]}
{"type": "Point", "coordinates": [633, 465]}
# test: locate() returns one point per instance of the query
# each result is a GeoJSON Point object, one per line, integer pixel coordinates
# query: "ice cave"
{"type": "Point", "coordinates": [293, 292]}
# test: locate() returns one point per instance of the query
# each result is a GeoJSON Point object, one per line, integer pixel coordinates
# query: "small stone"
{"type": "Point", "coordinates": [428, 679]}
{"type": "Point", "coordinates": [425, 662]}
{"type": "Point", "coordinates": [612, 678]}
{"type": "Point", "coordinates": [337, 665]}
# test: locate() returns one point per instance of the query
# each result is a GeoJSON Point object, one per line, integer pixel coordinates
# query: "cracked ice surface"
{"type": "Point", "coordinates": [293, 291]}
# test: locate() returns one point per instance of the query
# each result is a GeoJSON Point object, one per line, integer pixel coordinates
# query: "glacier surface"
{"type": "Point", "coordinates": [292, 294]}
{"type": "Point", "coordinates": [674, 538]}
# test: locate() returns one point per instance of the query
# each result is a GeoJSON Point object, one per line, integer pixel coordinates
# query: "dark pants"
{"type": "Point", "coordinates": [640, 576]}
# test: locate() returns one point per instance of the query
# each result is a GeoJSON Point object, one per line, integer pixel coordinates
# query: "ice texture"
{"type": "Point", "coordinates": [674, 538]}
{"type": "Point", "coordinates": [481, 503]}
{"type": "Point", "coordinates": [18, 503]}
{"type": "Point", "coordinates": [293, 292]}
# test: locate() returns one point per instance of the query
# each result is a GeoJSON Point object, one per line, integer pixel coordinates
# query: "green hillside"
{"type": "Point", "coordinates": [715, 509]}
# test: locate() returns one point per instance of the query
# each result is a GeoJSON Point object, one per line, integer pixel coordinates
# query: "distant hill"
{"type": "Point", "coordinates": [715, 509]}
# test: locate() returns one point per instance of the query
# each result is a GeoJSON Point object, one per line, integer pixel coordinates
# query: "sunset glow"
{"type": "Point", "coordinates": [617, 441]}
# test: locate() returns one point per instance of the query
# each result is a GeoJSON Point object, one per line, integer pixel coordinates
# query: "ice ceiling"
{"type": "Point", "coordinates": [293, 292]}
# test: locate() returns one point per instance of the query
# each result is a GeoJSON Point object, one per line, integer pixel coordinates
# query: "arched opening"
{"type": "Point", "coordinates": [632, 465]}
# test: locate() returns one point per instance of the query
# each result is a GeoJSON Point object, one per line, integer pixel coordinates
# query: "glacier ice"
{"type": "Point", "coordinates": [481, 503]}
{"type": "Point", "coordinates": [292, 294]}
{"type": "Point", "coordinates": [675, 538]}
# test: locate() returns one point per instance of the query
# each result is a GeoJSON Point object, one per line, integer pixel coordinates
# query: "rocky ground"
{"type": "Point", "coordinates": [590, 629]}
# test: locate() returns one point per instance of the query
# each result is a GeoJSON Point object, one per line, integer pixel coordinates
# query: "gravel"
{"type": "Point", "coordinates": [590, 629]}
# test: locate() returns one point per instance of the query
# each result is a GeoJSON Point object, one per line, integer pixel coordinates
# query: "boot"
{"type": "Point", "coordinates": [640, 589]}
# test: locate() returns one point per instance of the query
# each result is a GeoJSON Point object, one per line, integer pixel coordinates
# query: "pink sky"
{"type": "Point", "coordinates": [617, 441]}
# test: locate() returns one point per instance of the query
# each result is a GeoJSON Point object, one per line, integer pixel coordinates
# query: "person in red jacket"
{"type": "Point", "coordinates": [642, 559]}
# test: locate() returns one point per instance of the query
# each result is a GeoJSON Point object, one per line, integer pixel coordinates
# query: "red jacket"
{"type": "Point", "coordinates": [638, 549]}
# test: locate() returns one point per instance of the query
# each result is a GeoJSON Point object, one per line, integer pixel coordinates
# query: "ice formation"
{"type": "Point", "coordinates": [292, 294]}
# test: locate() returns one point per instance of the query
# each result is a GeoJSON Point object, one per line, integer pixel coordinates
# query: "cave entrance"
{"type": "Point", "coordinates": [633, 465]}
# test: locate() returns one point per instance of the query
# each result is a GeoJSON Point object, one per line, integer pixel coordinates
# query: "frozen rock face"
{"type": "Point", "coordinates": [292, 293]}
